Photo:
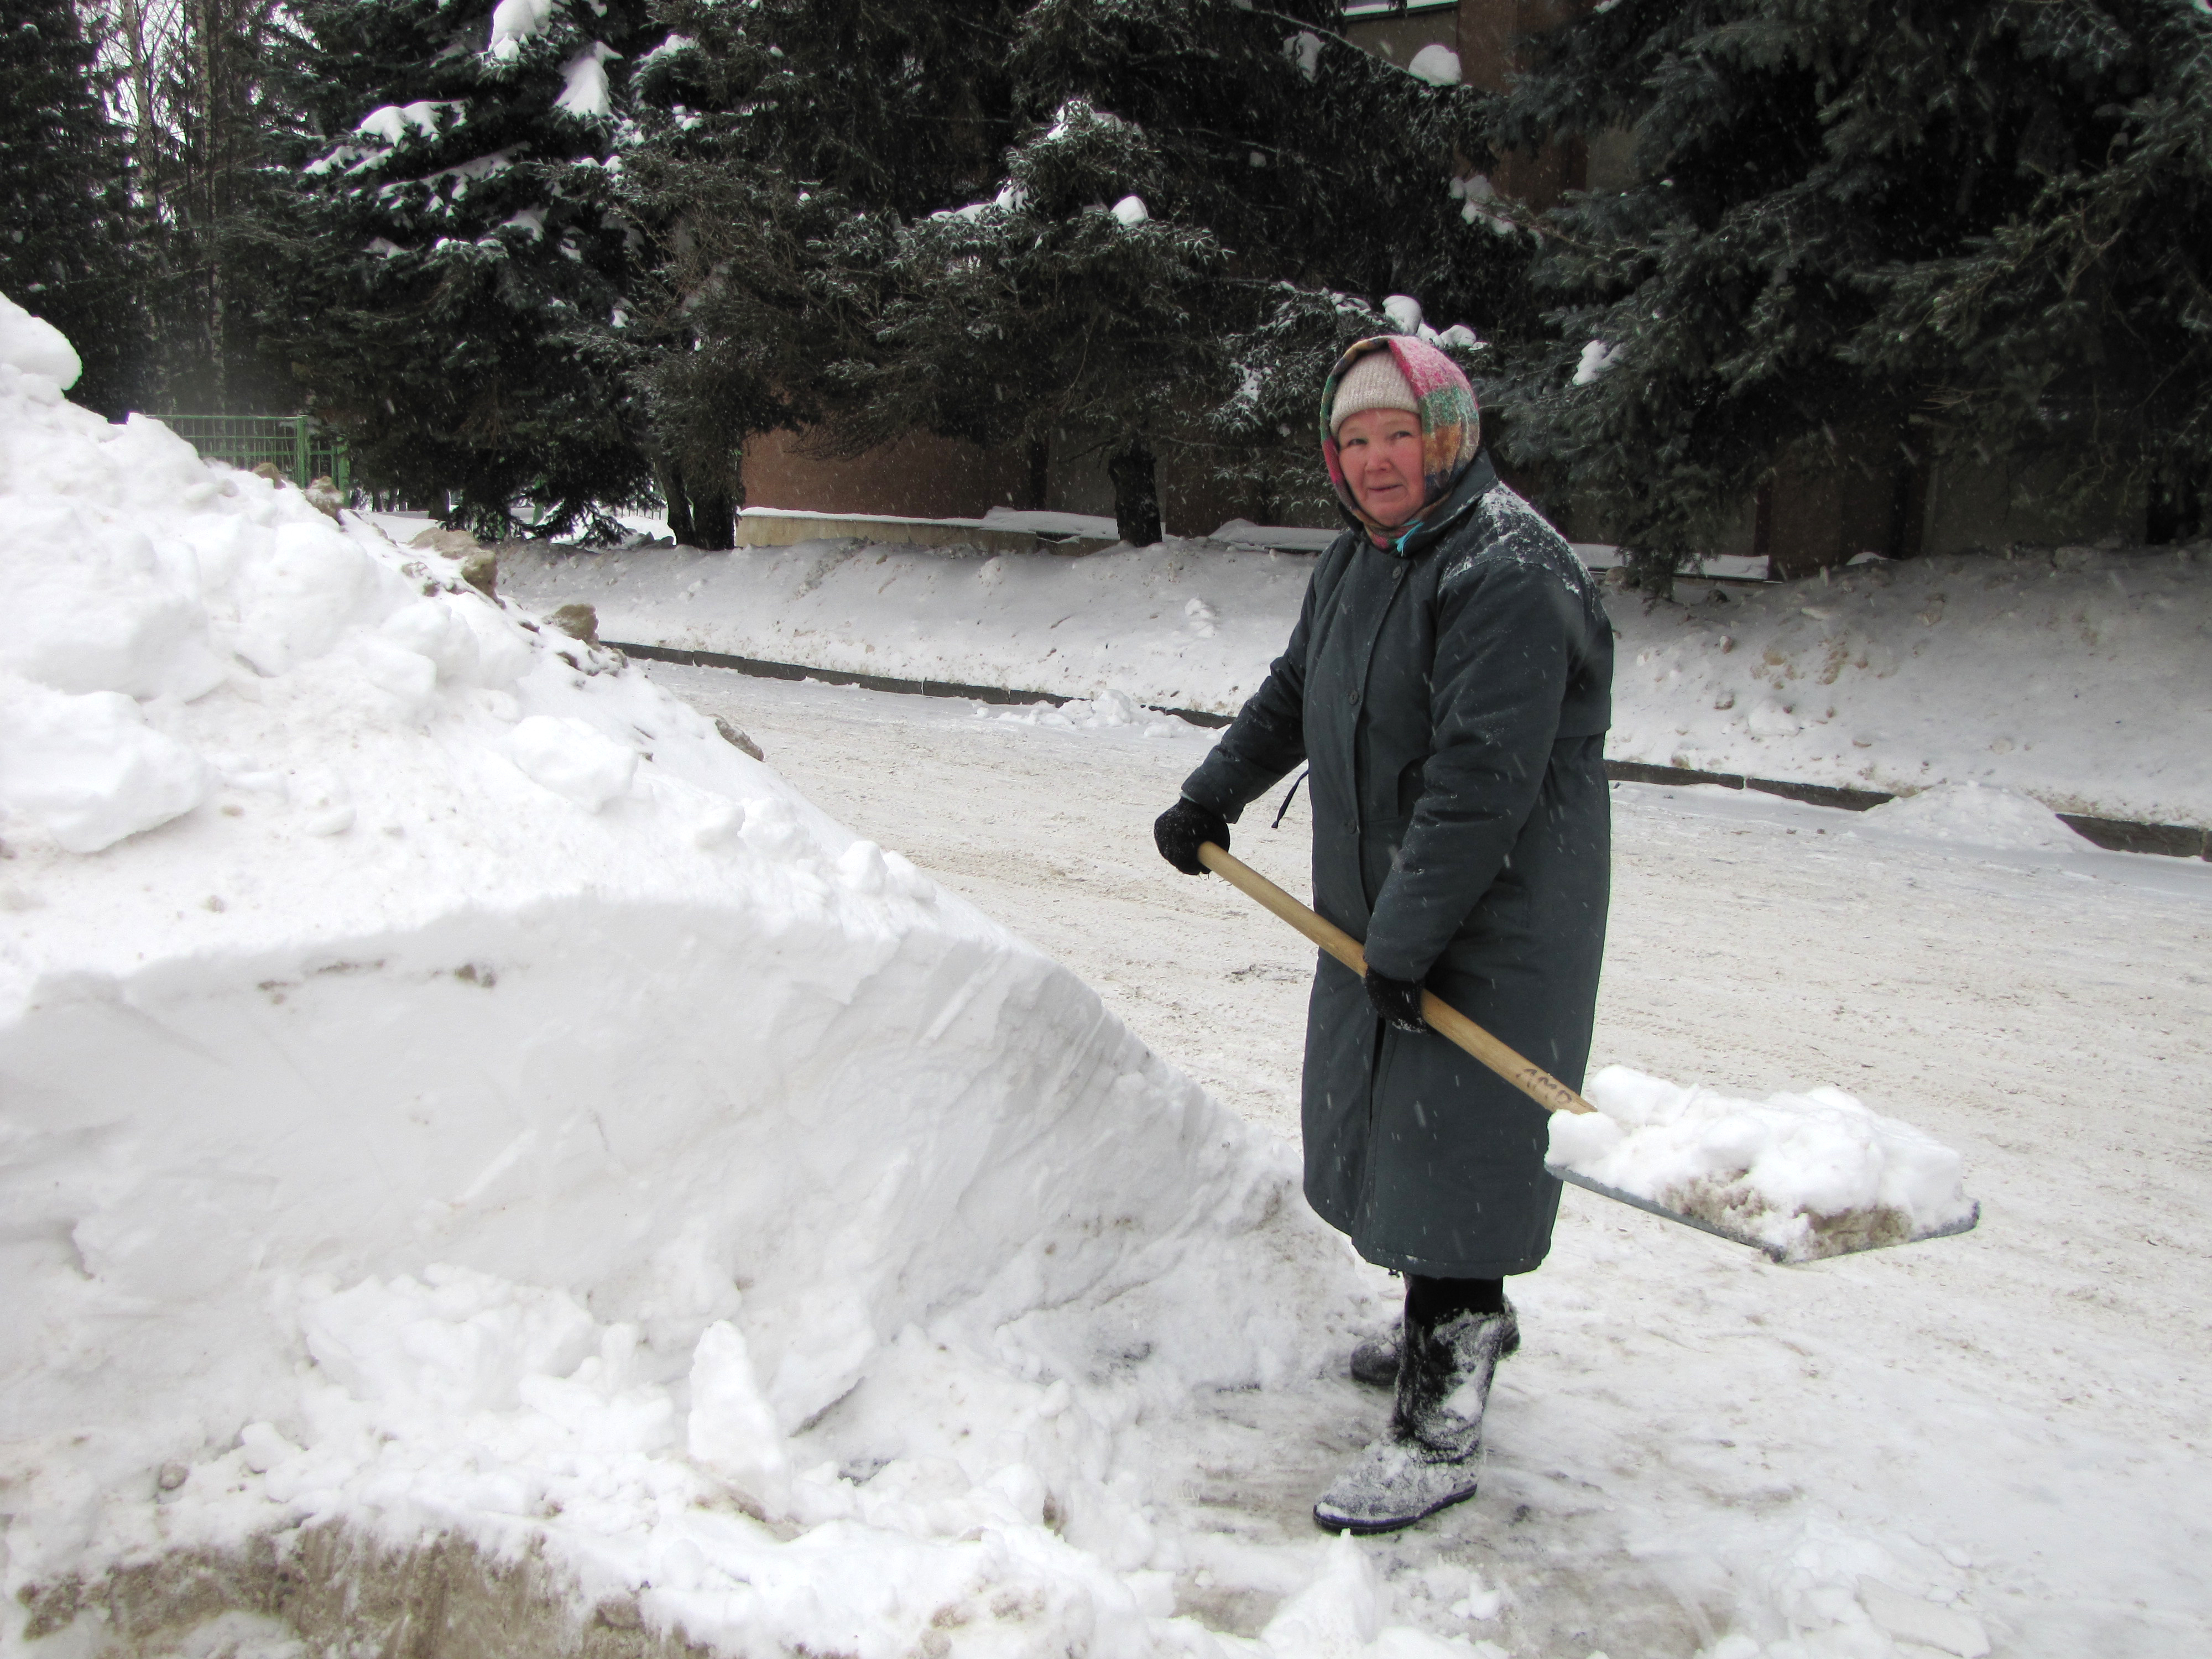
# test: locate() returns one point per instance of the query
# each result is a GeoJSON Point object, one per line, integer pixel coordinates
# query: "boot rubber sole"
{"type": "Point", "coordinates": [1368, 1529]}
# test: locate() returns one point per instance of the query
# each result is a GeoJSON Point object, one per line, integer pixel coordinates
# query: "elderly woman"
{"type": "Point", "coordinates": [1448, 686]}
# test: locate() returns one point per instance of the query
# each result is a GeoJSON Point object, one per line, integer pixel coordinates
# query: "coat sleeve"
{"type": "Point", "coordinates": [1504, 645]}
{"type": "Point", "coordinates": [1268, 736]}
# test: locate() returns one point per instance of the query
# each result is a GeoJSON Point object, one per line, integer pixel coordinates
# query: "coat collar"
{"type": "Point", "coordinates": [1414, 539]}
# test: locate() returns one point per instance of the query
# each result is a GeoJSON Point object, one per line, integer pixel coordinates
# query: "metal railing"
{"type": "Point", "coordinates": [299, 447]}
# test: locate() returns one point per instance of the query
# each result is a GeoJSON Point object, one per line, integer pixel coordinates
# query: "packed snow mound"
{"type": "Point", "coordinates": [1437, 63]}
{"type": "Point", "coordinates": [1108, 711]}
{"type": "Point", "coordinates": [447, 1090]}
{"type": "Point", "coordinates": [1177, 625]}
{"type": "Point", "coordinates": [1807, 1175]}
{"type": "Point", "coordinates": [1979, 814]}
{"type": "Point", "coordinates": [34, 348]}
{"type": "Point", "coordinates": [2075, 675]}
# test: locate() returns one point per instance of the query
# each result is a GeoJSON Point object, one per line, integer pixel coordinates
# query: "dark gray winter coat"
{"type": "Point", "coordinates": [1450, 695]}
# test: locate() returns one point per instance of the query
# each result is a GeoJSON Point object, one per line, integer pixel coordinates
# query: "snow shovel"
{"type": "Point", "coordinates": [1831, 1235]}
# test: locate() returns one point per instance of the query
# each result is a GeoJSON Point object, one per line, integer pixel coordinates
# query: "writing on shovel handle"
{"type": "Point", "coordinates": [1530, 1079]}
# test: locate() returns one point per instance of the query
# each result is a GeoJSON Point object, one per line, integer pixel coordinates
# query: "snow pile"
{"type": "Point", "coordinates": [1108, 711]}
{"type": "Point", "coordinates": [1808, 1175]}
{"type": "Point", "coordinates": [36, 362]}
{"type": "Point", "coordinates": [1437, 63]}
{"type": "Point", "coordinates": [513, 23]}
{"type": "Point", "coordinates": [1597, 357]}
{"type": "Point", "coordinates": [1979, 816]}
{"type": "Point", "coordinates": [2074, 678]}
{"type": "Point", "coordinates": [447, 1091]}
{"type": "Point", "coordinates": [1179, 625]}
{"type": "Point", "coordinates": [584, 88]}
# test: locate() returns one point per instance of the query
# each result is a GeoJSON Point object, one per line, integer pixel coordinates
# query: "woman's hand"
{"type": "Point", "coordinates": [1183, 828]}
{"type": "Point", "coordinates": [1397, 1001]}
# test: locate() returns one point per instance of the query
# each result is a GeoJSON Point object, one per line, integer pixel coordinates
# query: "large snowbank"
{"type": "Point", "coordinates": [2076, 678]}
{"type": "Point", "coordinates": [447, 1090]}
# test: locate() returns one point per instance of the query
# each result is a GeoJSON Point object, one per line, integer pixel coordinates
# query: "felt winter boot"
{"type": "Point", "coordinates": [1431, 1456]}
{"type": "Point", "coordinates": [1375, 1361]}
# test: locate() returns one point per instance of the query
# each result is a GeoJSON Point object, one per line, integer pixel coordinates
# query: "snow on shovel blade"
{"type": "Point", "coordinates": [1827, 1235]}
{"type": "Point", "coordinates": [1800, 1177]}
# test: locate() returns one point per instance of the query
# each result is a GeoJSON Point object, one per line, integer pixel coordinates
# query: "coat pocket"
{"type": "Point", "coordinates": [1380, 839]}
{"type": "Point", "coordinates": [1411, 782]}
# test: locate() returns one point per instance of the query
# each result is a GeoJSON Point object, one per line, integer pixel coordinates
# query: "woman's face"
{"type": "Point", "coordinates": [1380, 451]}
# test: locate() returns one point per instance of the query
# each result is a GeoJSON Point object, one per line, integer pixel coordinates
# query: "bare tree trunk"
{"type": "Point", "coordinates": [714, 517]}
{"type": "Point", "coordinates": [670, 477]}
{"type": "Point", "coordinates": [1136, 493]}
{"type": "Point", "coordinates": [1040, 463]}
{"type": "Point", "coordinates": [212, 208]}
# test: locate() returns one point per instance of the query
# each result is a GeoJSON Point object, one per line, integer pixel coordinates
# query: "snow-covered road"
{"type": "Point", "coordinates": [2003, 1433]}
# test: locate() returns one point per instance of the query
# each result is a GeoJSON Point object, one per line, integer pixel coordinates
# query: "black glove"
{"type": "Point", "coordinates": [1183, 828]}
{"type": "Point", "coordinates": [1397, 1000]}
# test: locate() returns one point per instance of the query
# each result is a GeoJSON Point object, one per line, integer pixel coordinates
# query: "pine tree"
{"type": "Point", "coordinates": [1046, 309]}
{"type": "Point", "coordinates": [1204, 203]}
{"type": "Point", "coordinates": [1144, 229]}
{"type": "Point", "coordinates": [1942, 229]}
{"type": "Point", "coordinates": [453, 241]}
{"type": "Point", "coordinates": [777, 146]}
{"type": "Point", "coordinates": [67, 253]}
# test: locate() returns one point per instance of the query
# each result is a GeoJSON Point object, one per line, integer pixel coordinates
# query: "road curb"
{"type": "Point", "coordinates": [2177, 840]}
{"type": "Point", "coordinates": [785, 671]}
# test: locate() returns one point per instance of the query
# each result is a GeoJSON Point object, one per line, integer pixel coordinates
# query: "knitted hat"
{"type": "Point", "coordinates": [1374, 382]}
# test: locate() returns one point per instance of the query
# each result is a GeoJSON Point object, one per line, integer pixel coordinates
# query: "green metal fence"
{"type": "Point", "coordinates": [301, 447]}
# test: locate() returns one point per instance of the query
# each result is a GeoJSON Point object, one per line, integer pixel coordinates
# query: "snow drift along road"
{"type": "Point", "coordinates": [445, 1088]}
{"type": "Point", "coordinates": [2074, 677]}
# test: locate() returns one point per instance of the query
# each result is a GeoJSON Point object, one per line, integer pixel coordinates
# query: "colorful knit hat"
{"type": "Point", "coordinates": [1451, 428]}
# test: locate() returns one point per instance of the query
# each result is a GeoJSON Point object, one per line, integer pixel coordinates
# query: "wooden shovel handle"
{"type": "Point", "coordinates": [1530, 1079]}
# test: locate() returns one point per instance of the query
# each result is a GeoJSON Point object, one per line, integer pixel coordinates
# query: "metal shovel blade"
{"type": "Point", "coordinates": [1827, 1238]}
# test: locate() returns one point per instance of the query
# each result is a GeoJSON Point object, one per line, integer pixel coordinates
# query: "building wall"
{"type": "Point", "coordinates": [917, 477]}
{"type": "Point", "coordinates": [1973, 507]}
{"type": "Point", "coordinates": [1395, 35]}
{"type": "Point", "coordinates": [1191, 503]}
{"type": "Point", "coordinates": [921, 476]}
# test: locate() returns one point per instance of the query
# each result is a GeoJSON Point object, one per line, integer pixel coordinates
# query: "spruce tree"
{"type": "Point", "coordinates": [67, 252]}
{"type": "Point", "coordinates": [1062, 303]}
{"type": "Point", "coordinates": [1205, 201]}
{"type": "Point", "coordinates": [452, 239]}
{"type": "Point", "coordinates": [1942, 229]}
{"type": "Point", "coordinates": [777, 147]}
{"type": "Point", "coordinates": [1141, 229]}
